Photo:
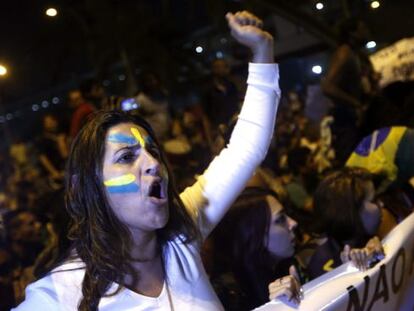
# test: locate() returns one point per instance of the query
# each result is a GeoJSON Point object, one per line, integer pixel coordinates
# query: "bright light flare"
{"type": "Point", "coordinates": [371, 45]}
{"type": "Point", "coordinates": [319, 6]}
{"type": "Point", "coordinates": [52, 12]}
{"type": "Point", "coordinates": [375, 4]}
{"type": "Point", "coordinates": [317, 69]}
{"type": "Point", "coordinates": [3, 70]}
{"type": "Point", "coordinates": [199, 49]}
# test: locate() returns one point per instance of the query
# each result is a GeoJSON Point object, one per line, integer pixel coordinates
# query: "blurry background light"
{"type": "Point", "coordinates": [375, 4]}
{"type": "Point", "coordinates": [319, 6]}
{"type": "Point", "coordinates": [371, 45]}
{"type": "Point", "coordinates": [317, 69]}
{"type": "Point", "coordinates": [52, 12]}
{"type": "Point", "coordinates": [3, 70]}
{"type": "Point", "coordinates": [199, 49]}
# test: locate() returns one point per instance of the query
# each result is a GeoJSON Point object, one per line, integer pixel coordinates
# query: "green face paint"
{"type": "Point", "coordinates": [122, 184]}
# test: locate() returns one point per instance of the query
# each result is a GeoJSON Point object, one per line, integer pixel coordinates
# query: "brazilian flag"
{"type": "Point", "coordinates": [386, 152]}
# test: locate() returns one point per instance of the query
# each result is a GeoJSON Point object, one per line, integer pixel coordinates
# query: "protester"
{"type": "Point", "coordinates": [52, 148]}
{"type": "Point", "coordinates": [254, 245]}
{"type": "Point", "coordinates": [135, 241]}
{"type": "Point", "coordinates": [343, 84]}
{"type": "Point", "coordinates": [348, 218]}
{"type": "Point", "coordinates": [154, 104]}
{"type": "Point", "coordinates": [221, 97]}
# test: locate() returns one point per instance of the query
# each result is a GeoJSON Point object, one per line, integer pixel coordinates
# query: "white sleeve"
{"type": "Point", "coordinates": [228, 173]}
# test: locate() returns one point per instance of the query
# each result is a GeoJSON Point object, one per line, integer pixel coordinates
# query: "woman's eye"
{"type": "Point", "coordinates": [280, 220]}
{"type": "Point", "coordinates": [126, 157]}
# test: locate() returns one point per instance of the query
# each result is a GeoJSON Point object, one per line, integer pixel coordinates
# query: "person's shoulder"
{"type": "Point", "coordinates": [59, 289]}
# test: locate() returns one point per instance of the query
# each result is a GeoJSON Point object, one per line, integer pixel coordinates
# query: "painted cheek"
{"type": "Point", "coordinates": [122, 184]}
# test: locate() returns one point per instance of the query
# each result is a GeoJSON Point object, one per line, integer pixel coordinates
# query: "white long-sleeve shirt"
{"type": "Point", "coordinates": [187, 286]}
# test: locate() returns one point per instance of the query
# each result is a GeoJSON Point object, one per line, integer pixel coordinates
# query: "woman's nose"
{"type": "Point", "coordinates": [151, 166]}
{"type": "Point", "coordinates": [292, 223]}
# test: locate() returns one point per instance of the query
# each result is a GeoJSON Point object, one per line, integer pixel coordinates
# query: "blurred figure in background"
{"type": "Point", "coordinates": [84, 101]}
{"type": "Point", "coordinates": [52, 148]}
{"type": "Point", "coordinates": [221, 98]}
{"type": "Point", "coordinates": [23, 244]}
{"type": "Point", "coordinates": [153, 104]}
{"type": "Point", "coordinates": [343, 83]}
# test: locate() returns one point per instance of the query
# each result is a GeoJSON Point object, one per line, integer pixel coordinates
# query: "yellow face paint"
{"type": "Point", "coordinates": [138, 136]}
{"type": "Point", "coordinates": [120, 181]}
{"type": "Point", "coordinates": [122, 184]}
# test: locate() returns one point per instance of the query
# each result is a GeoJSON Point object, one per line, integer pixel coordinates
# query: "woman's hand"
{"type": "Point", "coordinates": [246, 28]}
{"type": "Point", "coordinates": [362, 257]}
{"type": "Point", "coordinates": [288, 286]}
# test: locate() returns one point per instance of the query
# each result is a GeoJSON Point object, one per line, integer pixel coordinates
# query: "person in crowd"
{"type": "Point", "coordinates": [153, 104]}
{"type": "Point", "coordinates": [387, 152]}
{"type": "Point", "coordinates": [23, 243]}
{"type": "Point", "coordinates": [348, 219]}
{"type": "Point", "coordinates": [136, 242]}
{"type": "Point", "coordinates": [190, 150]}
{"type": "Point", "coordinates": [82, 111]}
{"type": "Point", "coordinates": [52, 148]}
{"type": "Point", "coordinates": [221, 96]}
{"type": "Point", "coordinates": [254, 247]}
{"type": "Point", "coordinates": [343, 84]}
{"type": "Point", "coordinates": [298, 183]}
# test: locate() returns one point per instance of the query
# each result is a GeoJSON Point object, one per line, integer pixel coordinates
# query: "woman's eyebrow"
{"type": "Point", "coordinates": [128, 148]}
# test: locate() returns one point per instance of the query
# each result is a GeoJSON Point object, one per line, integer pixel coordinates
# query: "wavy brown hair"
{"type": "Point", "coordinates": [99, 238]}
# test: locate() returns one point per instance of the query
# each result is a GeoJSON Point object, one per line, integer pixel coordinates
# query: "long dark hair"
{"type": "Point", "coordinates": [244, 232]}
{"type": "Point", "coordinates": [99, 238]}
{"type": "Point", "coordinates": [337, 204]}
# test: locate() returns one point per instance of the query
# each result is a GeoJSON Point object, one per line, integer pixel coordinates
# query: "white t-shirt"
{"type": "Point", "coordinates": [187, 286]}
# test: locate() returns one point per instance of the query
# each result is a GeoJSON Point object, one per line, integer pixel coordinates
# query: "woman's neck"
{"type": "Point", "coordinates": [145, 246]}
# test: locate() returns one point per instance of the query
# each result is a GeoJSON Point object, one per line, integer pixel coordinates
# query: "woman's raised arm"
{"type": "Point", "coordinates": [228, 173]}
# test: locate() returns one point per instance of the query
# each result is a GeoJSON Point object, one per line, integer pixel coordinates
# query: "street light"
{"type": "Point", "coordinates": [319, 6]}
{"type": "Point", "coordinates": [3, 70]}
{"type": "Point", "coordinates": [52, 12]}
{"type": "Point", "coordinates": [317, 69]}
{"type": "Point", "coordinates": [375, 4]}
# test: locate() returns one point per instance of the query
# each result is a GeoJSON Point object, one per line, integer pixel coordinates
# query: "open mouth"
{"type": "Point", "coordinates": [156, 190]}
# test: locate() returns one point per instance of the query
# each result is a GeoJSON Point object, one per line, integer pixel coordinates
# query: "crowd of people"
{"type": "Point", "coordinates": [104, 204]}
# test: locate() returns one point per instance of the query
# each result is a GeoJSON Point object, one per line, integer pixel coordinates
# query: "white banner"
{"type": "Point", "coordinates": [387, 286]}
{"type": "Point", "coordinates": [396, 62]}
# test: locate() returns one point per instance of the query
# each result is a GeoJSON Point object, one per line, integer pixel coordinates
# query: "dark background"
{"type": "Point", "coordinates": [116, 40]}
